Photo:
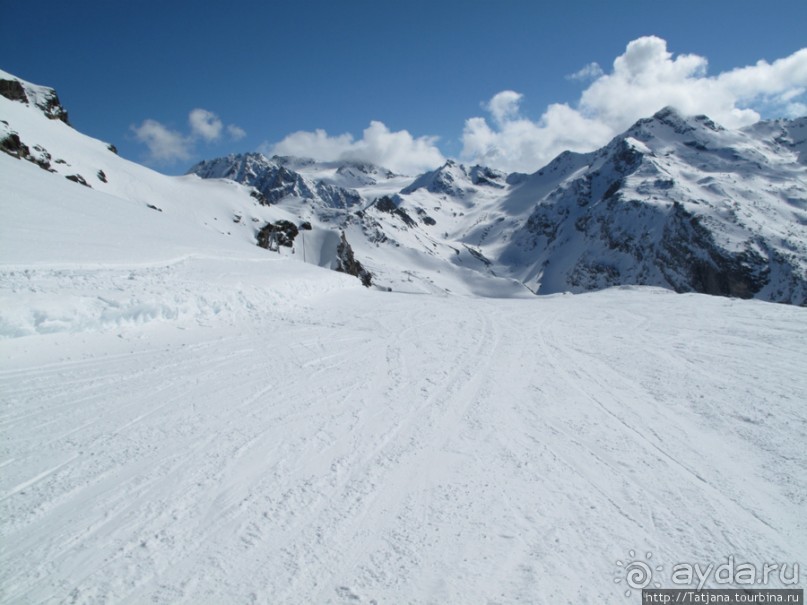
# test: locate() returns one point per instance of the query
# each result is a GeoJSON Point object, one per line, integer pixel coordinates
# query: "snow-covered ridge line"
{"type": "Point", "coordinates": [43, 98]}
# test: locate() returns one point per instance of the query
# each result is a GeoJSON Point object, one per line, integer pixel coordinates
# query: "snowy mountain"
{"type": "Point", "coordinates": [276, 179]}
{"type": "Point", "coordinates": [189, 418]}
{"type": "Point", "coordinates": [674, 202]}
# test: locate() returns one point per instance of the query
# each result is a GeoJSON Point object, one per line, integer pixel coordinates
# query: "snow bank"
{"type": "Point", "coordinates": [194, 290]}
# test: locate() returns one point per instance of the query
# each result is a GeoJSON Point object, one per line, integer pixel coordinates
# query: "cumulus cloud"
{"type": "Point", "coordinates": [644, 79]}
{"type": "Point", "coordinates": [205, 124]}
{"type": "Point", "coordinates": [504, 106]}
{"type": "Point", "coordinates": [166, 146]}
{"type": "Point", "coordinates": [399, 151]}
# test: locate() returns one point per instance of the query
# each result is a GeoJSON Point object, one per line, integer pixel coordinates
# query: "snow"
{"type": "Point", "coordinates": [187, 418]}
{"type": "Point", "coordinates": [396, 448]}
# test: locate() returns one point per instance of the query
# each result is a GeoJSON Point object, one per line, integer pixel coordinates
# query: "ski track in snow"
{"type": "Point", "coordinates": [368, 447]}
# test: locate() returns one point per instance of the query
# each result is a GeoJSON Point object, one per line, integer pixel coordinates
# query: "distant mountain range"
{"type": "Point", "coordinates": [676, 201]}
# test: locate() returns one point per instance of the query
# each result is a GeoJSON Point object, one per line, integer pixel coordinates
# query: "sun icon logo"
{"type": "Point", "coordinates": [637, 574]}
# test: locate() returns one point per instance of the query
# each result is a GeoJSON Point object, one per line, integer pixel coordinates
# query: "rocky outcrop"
{"type": "Point", "coordinates": [347, 262]}
{"type": "Point", "coordinates": [13, 90]}
{"type": "Point", "coordinates": [44, 98]}
{"type": "Point", "coordinates": [388, 205]}
{"type": "Point", "coordinates": [279, 233]}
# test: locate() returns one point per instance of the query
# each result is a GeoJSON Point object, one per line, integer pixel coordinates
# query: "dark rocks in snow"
{"type": "Point", "coordinates": [13, 146]}
{"type": "Point", "coordinates": [41, 157]}
{"type": "Point", "coordinates": [54, 110]}
{"type": "Point", "coordinates": [348, 263]}
{"type": "Point", "coordinates": [484, 176]}
{"type": "Point", "coordinates": [102, 176]}
{"type": "Point", "coordinates": [112, 148]}
{"type": "Point", "coordinates": [385, 204]}
{"type": "Point", "coordinates": [77, 178]}
{"type": "Point", "coordinates": [305, 226]}
{"type": "Point", "coordinates": [388, 205]}
{"type": "Point", "coordinates": [13, 90]}
{"type": "Point", "coordinates": [279, 233]}
{"type": "Point", "coordinates": [260, 197]}
{"type": "Point", "coordinates": [153, 207]}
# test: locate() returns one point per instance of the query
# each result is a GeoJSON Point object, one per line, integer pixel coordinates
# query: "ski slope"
{"type": "Point", "coordinates": [343, 445]}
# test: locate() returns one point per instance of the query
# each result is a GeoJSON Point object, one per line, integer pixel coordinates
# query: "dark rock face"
{"type": "Point", "coordinates": [484, 176]}
{"type": "Point", "coordinates": [53, 109]}
{"type": "Point", "coordinates": [260, 197]}
{"type": "Point", "coordinates": [348, 263]}
{"type": "Point", "coordinates": [388, 205]}
{"type": "Point", "coordinates": [13, 90]}
{"type": "Point", "coordinates": [280, 233]}
{"type": "Point", "coordinates": [13, 146]}
{"type": "Point", "coordinates": [687, 243]}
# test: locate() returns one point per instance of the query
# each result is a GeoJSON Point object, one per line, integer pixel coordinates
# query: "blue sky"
{"type": "Point", "coordinates": [131, 72]}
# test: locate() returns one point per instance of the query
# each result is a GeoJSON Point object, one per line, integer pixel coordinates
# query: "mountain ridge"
{"type": "Point", "coordinates": [675, 201]}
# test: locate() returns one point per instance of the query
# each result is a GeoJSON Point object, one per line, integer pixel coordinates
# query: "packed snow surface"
{"type": "Point", "coordinates": [355, 446]}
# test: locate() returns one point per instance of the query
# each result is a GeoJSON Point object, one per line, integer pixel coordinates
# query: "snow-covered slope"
{"type": "Point", "coordinates": [370, 447]}
{"type": "Point", "coordinates": [188, 418]}
{"type": "Point", "coordinates": [57, 231]}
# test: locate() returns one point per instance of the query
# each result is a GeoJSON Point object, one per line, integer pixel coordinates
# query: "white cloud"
{"type": "Point", "coordinates": [644, 79]}
{"type": "Point", "coordinates": [398, 151]}
{"type": "Point", "coordinates": [166, 146]}
{"type": "Point", "coordinates": [588, 72]}
{"type": "Point", "coordinates": [205, 124]}
{"type": "Point", "coordinates": [236, 132]}
{"type": "Point", "coordinates": [504, 106]}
